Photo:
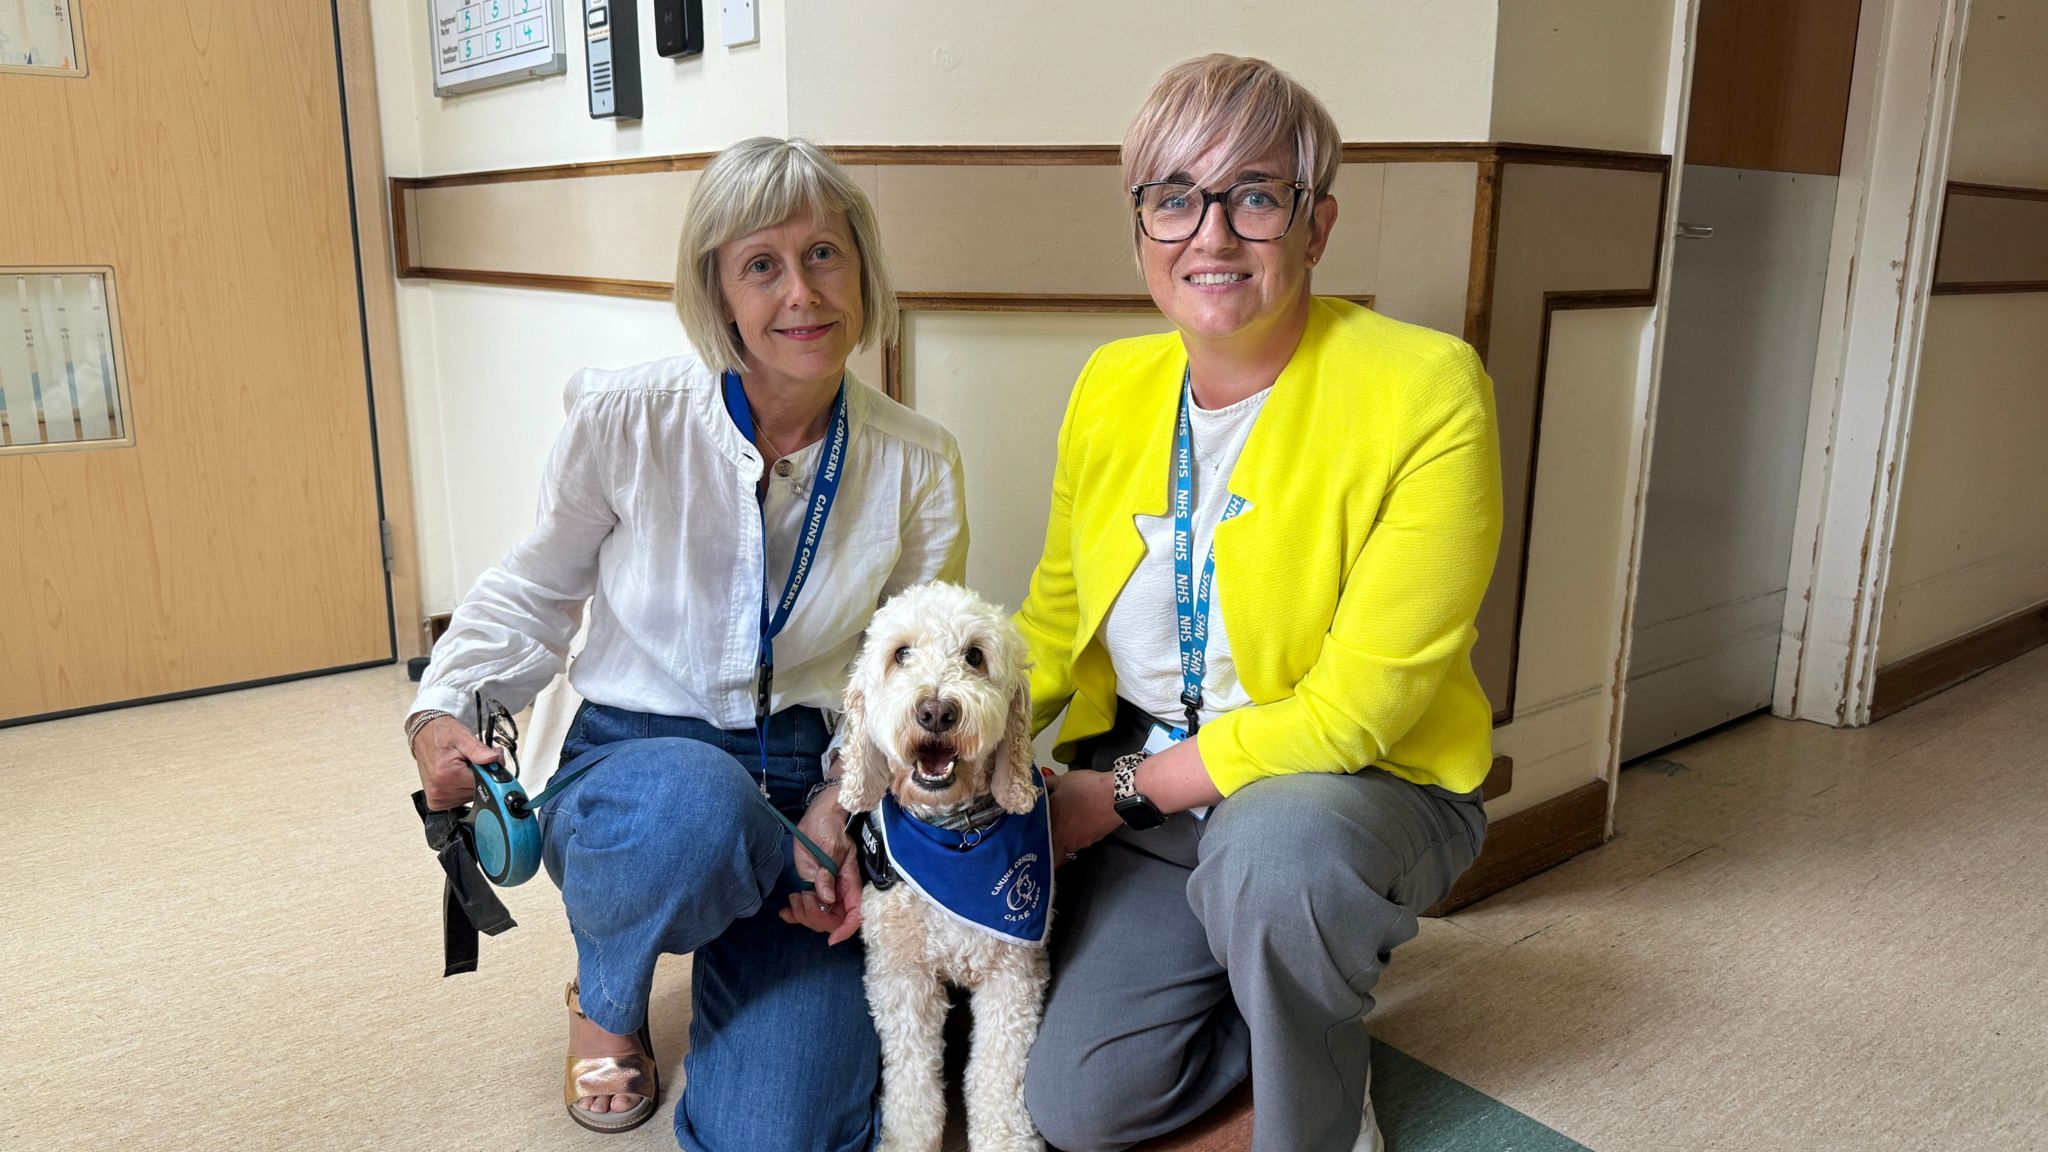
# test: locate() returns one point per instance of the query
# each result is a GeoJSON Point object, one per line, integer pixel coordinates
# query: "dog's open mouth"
{"type": "Point", "coordinates": [934, 767]}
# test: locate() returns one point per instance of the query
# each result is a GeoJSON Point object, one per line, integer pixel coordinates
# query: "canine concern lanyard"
{"type": "Point", "coordinates": [1191, 600]}
{"type": "Point", "coordinates": [824, 490]}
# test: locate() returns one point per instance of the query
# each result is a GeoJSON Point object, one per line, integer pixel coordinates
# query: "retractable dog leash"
{"type": "Point", "coordinates": [497, 837]}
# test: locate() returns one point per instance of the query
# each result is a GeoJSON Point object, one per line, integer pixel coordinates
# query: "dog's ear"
{"type": "Point", "coordinates": [1016, 785]}
{"type": "Point", "coordinates": [860, 774]}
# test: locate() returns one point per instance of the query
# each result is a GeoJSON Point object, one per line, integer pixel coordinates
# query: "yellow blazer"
{"type": "Point", "coordinates": [1348, 585]}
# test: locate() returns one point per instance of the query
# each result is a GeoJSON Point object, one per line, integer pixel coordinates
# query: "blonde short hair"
{"type": "Point", "coordinates": [1245, 104]}
{"type": "Point", "coordinates": [759, 183]}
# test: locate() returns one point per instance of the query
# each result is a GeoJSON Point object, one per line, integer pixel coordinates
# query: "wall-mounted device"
{"type": "Point", "coordinates": [613, 63]}
{"type": "Point", "coordinates": [679, 27]}
{"type": "Point", "coordinates": [479, 43]}
{"type": "Point", "coordinates": [739, 23]}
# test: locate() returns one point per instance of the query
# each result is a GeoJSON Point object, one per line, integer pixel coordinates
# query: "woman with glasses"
{"type": "Point", "coordinates": [733, 515]}
{"type": "Point", "coordinates": [1270, 532]}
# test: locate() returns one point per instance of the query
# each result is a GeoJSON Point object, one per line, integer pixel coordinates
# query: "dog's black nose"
{"type": "Point", "coordinates": [936, 716]}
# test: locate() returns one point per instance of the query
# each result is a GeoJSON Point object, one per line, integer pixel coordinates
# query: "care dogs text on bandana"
{"type": "Point", "coordinates": [997, 879]}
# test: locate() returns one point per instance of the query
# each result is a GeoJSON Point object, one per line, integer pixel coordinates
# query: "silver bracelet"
{"type": "Point", "coordinates": [419, 721]}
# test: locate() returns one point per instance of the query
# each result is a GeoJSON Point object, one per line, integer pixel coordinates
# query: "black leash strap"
{"type": "Point", "coordinates": [468, 905]}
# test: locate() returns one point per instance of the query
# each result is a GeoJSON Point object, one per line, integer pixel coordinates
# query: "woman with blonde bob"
{"type": "Point", "coordinates": [679, 501]}
{"type": "Point", "coordinates": [1270, 532]}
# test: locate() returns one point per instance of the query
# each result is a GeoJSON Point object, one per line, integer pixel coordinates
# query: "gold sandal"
{"type": "Point", "coordinates": [632, 1075]}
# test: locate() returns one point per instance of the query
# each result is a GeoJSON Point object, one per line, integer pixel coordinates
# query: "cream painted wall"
{"type": "Point", "coordinates": [2001, 129]}
{"type": "Point", "coordinates": [1073, 71]}
{"type": "Point", "coordinates": [1571, 621]}
{"type": "Point", "coordinates": [1588, 73]}
{"type": "Point", "coordinates": [501, 398]}
{"type": "Point", "coordinates": [1001, 384]}
{"type": "Point", "coordinates": [693, 105]}
{"type": "Point", "coordinates": [1971, 544]}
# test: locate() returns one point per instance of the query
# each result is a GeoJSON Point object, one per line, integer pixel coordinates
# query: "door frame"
{"type": "Point", "coordinates": [1880, 268]}
{"type": "Point", "coordinates": [1888, 202]}
{"type": "Point", "coordinates": [377, 281]}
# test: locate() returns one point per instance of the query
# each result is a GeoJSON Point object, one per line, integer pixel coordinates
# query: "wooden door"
{"type": "Point", "coordinates": [231, 533]}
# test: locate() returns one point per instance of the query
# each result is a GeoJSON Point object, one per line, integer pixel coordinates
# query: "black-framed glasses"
{"type": "Point", "coordinates": [1170, 211]}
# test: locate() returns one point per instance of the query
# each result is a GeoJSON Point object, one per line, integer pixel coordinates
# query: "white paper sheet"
{"type": "Point", "coordinates": [38, 34]}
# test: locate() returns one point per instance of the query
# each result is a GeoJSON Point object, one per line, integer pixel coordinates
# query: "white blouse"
{"type": "Point", "coordinates": [648, 512]}
{"type": "Point", "coordinates": [1142, 630]}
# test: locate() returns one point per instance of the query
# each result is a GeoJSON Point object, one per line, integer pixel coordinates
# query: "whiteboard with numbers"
{"type": "Point", "coordinates": [478, 43]}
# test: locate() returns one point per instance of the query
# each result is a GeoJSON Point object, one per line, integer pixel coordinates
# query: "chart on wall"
{"type": "Point", "coordinates": [40, 36]}
{"type": "Point", "coordinates": [480, 43]}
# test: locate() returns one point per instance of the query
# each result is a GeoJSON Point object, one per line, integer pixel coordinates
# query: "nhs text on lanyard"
{"type": "Point", "coordinates": [1191, 600]}
{"type": "Point", "coordinates": [824, 489]}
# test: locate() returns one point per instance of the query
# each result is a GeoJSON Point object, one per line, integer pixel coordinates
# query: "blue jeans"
{"type": "Point", "coordinates": [666, 847]}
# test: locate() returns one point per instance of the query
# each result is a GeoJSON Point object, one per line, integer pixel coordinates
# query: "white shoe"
{"type": "Point", "coordinates": [1369, 1139]}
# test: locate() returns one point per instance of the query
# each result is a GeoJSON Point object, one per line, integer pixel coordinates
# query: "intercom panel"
{"type": "Point", "coordinates": [613, 66]}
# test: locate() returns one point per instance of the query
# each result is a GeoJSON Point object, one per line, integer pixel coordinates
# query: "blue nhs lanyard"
{"type": "Point", "coordinates": [824, 490]}
{"type": "Point", "coordinates": [1191, 600]}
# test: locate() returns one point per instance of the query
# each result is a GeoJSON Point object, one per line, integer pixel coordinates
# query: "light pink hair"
{"type": "Point", "coordinates": [1246, 105]}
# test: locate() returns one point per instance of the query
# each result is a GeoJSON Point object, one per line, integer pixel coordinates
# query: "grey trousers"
{"type": "Point", "coordinates": [1190, 956]}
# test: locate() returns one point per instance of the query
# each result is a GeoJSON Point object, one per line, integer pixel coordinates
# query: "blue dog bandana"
{"type": "Point", "coordinates": [997, 879]}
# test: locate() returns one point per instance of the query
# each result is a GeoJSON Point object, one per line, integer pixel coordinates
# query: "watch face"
{"type": "Point", "coordinates": [1139, 814]}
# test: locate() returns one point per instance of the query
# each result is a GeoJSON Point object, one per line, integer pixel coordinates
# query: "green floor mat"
{"type": "Point", "coordinates": [1422, 1110]}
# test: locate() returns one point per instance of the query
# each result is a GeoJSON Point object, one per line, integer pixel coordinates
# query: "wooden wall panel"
{"type": "Point", "coordinates": [618, 227]}
{"type": "Point", "coordinates": [1770, 85]}
{"type": "Point", "coordinates": [1563, 238]}
{"type": "Point", "coordinates": [1993, 239]}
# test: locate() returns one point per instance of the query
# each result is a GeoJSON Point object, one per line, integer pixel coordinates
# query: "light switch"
{"type": "Point", "coordinates": [741, 23]}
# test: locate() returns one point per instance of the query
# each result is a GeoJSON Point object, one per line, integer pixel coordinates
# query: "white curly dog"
{"type": "Point", "coordinates": [938, 717]}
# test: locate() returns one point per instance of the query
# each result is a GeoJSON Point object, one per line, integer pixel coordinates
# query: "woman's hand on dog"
{"type": "Point", "coordinates": [443, 750]}
{"type": "Point", "coordinates": [1083, 811]}
{"type": "Point", "coordinates": [833, 904]}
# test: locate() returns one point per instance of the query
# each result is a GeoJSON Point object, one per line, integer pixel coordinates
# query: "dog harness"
{"type": "Point", "coordinates": [996, 878]}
